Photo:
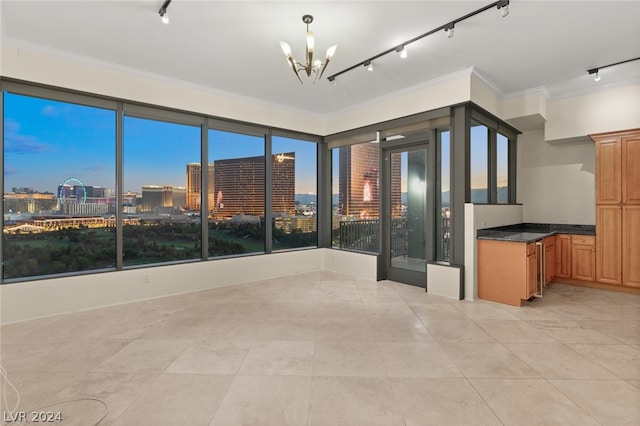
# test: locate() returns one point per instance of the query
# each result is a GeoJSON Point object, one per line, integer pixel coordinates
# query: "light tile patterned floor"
{"type": "Point", "coordinates": [327, 349]}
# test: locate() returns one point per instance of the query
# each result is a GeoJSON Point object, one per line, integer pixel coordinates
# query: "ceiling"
{"type": "Point", "coordinates": [232, 46]}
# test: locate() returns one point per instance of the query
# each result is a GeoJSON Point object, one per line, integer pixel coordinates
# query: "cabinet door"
{"type": "Point", "coordinates": [609, 244]}
{"type": "Point", "coordinates": [583, 262]}
{"type": "Point", "coordinates": [608, 171]}
{"type": "Point", "coordinates": [631, 170]}
{"type": "Point", "coordinates": [549, 260]}
{"type": "Point", "coordinates": [631, 246]}
{"type": "Point", "coordinates": [532, 275]}
{"type": "Point", "coordinates": [563, 256]}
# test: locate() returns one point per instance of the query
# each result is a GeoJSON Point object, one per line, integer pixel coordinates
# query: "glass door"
{"type": "Point", "coordinates": [405, 228]}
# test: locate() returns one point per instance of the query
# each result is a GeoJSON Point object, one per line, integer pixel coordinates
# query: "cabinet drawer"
{"type": "Point", "coordinates": [586, 240]}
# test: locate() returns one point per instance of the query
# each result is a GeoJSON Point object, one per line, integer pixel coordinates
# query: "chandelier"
{"type": "Point", "coordinates": [317, 67]}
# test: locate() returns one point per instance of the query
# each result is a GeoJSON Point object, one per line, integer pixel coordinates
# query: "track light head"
{"type": "Point", "coordinates": [369, 65]}
{"type": "Point", "coordinates": [595, 71]}
{"type": "Point", "coordinates": [164, 16]}
{"type": "Point", "coordinates": [402, 50]}
{"type": "Point", "coordinates": [503, 6]}
{"type": "Point", "coordinates": [448, 29]}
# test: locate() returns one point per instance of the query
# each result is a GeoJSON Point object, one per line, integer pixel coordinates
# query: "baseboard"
{"type": "Point", "coordinates": [601, 286]}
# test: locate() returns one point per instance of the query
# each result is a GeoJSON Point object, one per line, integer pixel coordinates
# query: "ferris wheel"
{"type": "Point", "coordinates": [65, 193]}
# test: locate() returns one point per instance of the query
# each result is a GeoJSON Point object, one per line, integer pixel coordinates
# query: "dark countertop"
{"type": "Point", "coordinates": [530, 232]}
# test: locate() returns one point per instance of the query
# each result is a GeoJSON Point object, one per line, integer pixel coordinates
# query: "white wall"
{"type": "Point", "coordinates": [607, 110]}
{"type": "Point", "coordinates": [34, 299]}
{"type": "Point", "coordinates": [134, 85]}
{"type": "Point", "coordinates": [479, 216]}
{"type": "Point", "coordinates": [556, 183]}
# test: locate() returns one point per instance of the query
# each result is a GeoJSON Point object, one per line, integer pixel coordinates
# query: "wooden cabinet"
{"type": "Point", "coordinates": [563, 256]}
{"type": "Point", "coordinates": [609, 244]}
{"type": "Point", "coordinates": [583, 258]}
{"type": "Point", "coordinates": [631, 245]}
{"type": "Point", "coordinates": [618, 201]}
{"type": "Point", "coordinates": [507, 271]}
{"type": "Point", "coordinates": [549, 259]}
{"type": "Point", "coordinates": [631, 169]}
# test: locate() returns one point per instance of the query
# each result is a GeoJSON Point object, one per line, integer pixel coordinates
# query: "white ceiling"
{"type": "Point", "coordinates": [232, 46]}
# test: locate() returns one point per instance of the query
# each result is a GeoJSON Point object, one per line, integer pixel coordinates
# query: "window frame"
{"type": "Point", "coordinates": [128, 108]}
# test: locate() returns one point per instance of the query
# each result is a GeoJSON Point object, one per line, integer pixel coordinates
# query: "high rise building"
{"type": "Point", "coordinates": [240, 185]}
{"type": "Point", "coordinates": [359, 181]}
{"type": "Point", "coordinates": [154, 196]}
{"type": "Point", "coordinates": [194, 186]}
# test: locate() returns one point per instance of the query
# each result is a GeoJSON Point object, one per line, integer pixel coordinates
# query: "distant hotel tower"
{"type": "Point", "coordinates": [359, 186]}
{"type": "Point", "coordinates": [194, 186]}
{"type": "Point", "coordinates": [239, 185]}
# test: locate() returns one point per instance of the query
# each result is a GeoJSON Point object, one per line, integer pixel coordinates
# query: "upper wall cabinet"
{"type": "Point", "coordinates": [617, 160]}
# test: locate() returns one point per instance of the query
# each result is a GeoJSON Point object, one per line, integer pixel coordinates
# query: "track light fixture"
{"type": "Point", "coordinates": [596, 71]}
{"type": "Point", "coordinates": [502, 5]}
{"type": "Point", "coordinates": [164, 16]}
{"type": "Point", "coordinates": [310, 65]}
{"type": "Point", "coordinates": [369, 66]}
{"type": "Point", "coordinates": [403, 51]}
{"type": "Point", "coordinates": [448, 29]}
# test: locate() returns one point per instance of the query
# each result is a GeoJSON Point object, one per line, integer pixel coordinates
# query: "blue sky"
{"type": "Point", "coordinates": [47, 142]}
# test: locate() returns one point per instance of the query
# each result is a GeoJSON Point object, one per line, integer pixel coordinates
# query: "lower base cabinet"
{"type": "Point", "coordinates": [583, 258]}
{"type": "Point", "coordinates": [507, 271]}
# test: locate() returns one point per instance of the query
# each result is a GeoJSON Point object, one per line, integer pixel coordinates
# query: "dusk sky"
{"type": "Point", "coordinates": [47, 142]}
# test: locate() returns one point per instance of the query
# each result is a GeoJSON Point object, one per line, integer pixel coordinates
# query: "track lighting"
{"type": "Point", "coordinates": [403, 51]}
{"type": "Point", "coordinates": [164, 16]}
{"type": "Point", "coordinates": [502, 5]}
{"type": "Point", "coordinates": [596, 71]}
{"type": "Point", "coordinates": [448, 29]}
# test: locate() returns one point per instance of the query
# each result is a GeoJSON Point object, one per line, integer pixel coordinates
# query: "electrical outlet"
{"type": "Point", "coordinates": [146, 278]}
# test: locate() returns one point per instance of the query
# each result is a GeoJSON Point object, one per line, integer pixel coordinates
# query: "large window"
{"type": "Point", "coordinates": [161, 199]}
{"type": "Point", "coordinates": [443, 220]}
{"type": "Point", "coordinates": [491, 153]}
{"type": "Point", "coordinates": [294, 198]}
{"type": "Point", "coordinates": [356, 197]}
{"type": "Point", "coordinates": [502, 169]}
{"type": "Point", "coordinates": [236, 211]}
{"type": "Point", "coordinates": [59, 180]}
{"type": "Point", "coordinates": [479, 173]}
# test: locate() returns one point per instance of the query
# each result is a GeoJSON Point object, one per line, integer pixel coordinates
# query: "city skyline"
{"type": "Point", "coordinates": [47, 142]}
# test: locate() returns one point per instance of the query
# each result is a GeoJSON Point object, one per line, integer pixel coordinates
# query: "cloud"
{"type": "Point", "coordinates": [17, 143]}
{"type": "Point", "coordinates": [50, 111]}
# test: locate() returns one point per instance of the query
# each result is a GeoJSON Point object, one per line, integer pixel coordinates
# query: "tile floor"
{"type": "Point", "coordinates": [328, 349]}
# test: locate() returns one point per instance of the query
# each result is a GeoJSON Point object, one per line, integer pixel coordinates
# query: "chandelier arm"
{"type": "Point", "coordinates": [292, 63]}
{"type": "Point", "coordinates": [326, 62]}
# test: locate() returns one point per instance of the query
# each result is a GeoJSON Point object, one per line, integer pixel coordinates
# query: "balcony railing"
{"type": "Point", "coordinates": [363, 235]}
